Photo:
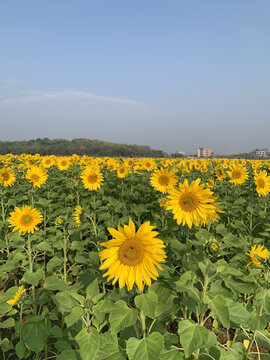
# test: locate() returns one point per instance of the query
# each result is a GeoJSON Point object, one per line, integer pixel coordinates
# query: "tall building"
{"type": "Point", "coordinates": [204, 152]}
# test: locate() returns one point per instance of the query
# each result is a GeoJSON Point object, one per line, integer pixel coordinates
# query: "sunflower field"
{"type": "Point", "coordinates": [140, 259]}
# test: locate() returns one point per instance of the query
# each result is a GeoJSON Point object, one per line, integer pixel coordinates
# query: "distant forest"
{"type": "Point", "coordinates": [77, 146]}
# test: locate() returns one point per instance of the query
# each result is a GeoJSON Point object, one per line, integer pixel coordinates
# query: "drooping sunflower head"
{"type": "Point", "coordinates": [7, 177]}
{"type": "Point", "coordinates": [192, 204]}
{"type": "Point", "coordinates": [17, 296]}
{"type": "Point", "coordinates": [36, 175]}
{"type": "Point", "coordinates": [92, 178]}
{"type": "Point", "coordinates": [238, 174]}
{"type": "Point", "coordinates": [77, 215]}
{"type": "Point", "coordinates": [256, 253]}
{"type": "Point", "coordinates": [163, 180]}
{"type": "Point", "coordinates": [132, 257]}
{"type": "Point", "coordinates": [211, 182]}
{"type": "Point", "coordinates": [25, 220]}
{"type": "Point", "coordinates": [220, 173]}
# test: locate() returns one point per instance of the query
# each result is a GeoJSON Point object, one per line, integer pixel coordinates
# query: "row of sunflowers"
{"type": "Point", "coordinates": [115, 258]}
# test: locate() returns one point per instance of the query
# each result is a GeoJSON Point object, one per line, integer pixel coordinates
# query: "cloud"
{"type": "Point", "coordinates": [42, 96]}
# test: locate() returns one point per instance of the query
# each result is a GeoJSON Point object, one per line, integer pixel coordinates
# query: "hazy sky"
{"type": "Point", "coordinates": [175, 75]}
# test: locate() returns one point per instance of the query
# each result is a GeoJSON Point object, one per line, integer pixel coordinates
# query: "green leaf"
{"type": "Point", "coordinates": [158, 302]}
{"type": "Point", "coordinates": [92, 290]}
{"type": "Point", "coordinates": [233, 241]}
{"type": "Point", "coordinates": [64, 301]}
{"type": "Point", "coordinates": [88, 343]}
{"type": "Point", "coordinates": [172, 354]}
{"type": "Point", "coordinates": [236, 352]}
{"type": "Point", "coordinates": [220, 229]}
{"type": "Point", "coordinates": [8, 323]}
{"type": "Point", "coordinates": [267, 302]}
{"type": "Point", "coordinates": [20, 349]}
{"type": "Point", "coordinates": [109, 349]}
{"type": "Point", "coordinates": [145, 349]}
{"type": "Point", "coordinates": [74, 316]}
{"type": "Point", "coordinates": [33, 278]}
{"type": "Point", "coordinates": [68, 355]}
{"type": "Point", "coordinates": [44, 246]}
{"type": "Point", "coordinates": [192, 336]}
{"type": "Point", "coordinates": [35, 334]}
{"type": "Point", "coordinates": [122, 316]}
{"type": "Point", "coordinates": [54, 283]}
{"type": "Point", "coordinates": [220, 308]}
{"type": "Point", "coordinates": [54, 262]}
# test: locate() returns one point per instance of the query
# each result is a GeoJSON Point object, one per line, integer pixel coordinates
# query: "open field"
{"type": "Point", "coordinates": [145, 259]}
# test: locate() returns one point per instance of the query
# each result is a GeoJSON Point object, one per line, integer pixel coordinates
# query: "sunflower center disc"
{"type": "Point", "coordinates": [236, 174]}
{"type": "Point", "coordinates": [5, 176]}
{"type": "Point", "coordinates": [131, 252]}
{"type": "Point", "coordinates": [261, 183]}
{"type": "Point", "coordinates": [163, 180]}
{"type": "Point", "coordinates": [26, 219]}
{"type": "Point", "coordinates": [92, 178]}
{"type": "Point", "coordinates": [188, 201]}
{"type": "Point", "coordinates": [35, 178]}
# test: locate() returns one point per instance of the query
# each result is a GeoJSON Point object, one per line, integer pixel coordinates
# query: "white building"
{"type": "Point", "coordinates": [204, 152]}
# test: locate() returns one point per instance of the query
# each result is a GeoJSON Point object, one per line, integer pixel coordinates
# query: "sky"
{"type": "Point", "coordinates": [175, 75]}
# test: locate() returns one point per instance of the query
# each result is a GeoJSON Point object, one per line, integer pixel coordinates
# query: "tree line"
{"type": "Point", "coordinates": [62, 147]}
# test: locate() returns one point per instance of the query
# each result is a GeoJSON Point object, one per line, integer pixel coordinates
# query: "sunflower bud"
{"type": "Point", "coordinates": [212, 247]}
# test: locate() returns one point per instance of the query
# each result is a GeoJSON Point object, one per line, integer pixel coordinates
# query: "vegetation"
{"type": "Point", "coordinates": [138, 259]}
{"type": "Point", "coordinates": [76, 146]}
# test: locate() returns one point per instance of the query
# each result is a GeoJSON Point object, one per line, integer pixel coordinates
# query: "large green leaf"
{"type": "Point", "coordinates": [35, 334]}
{"type": "Point", "coordinates": [122, 316]}
{"type": "Point", "coordinates": [54, 283]}
{"type": "Point", "coordinates": [220, 308]}
{"type": "Point", "coordinates": [172, 354]}
{"type": "Point", "coordinates": [33, 278]}
{"type": "Point", "coordinates": [88, 343]}
{"type": "Point", "coordinates": [192, 336]}
{"type": "Point", "coordinates": [109, 349]}
{"type": "Point", "coordinates": [74, 316]}
{"type": "Point", "coordinates": [158, 302]}
{"type": "Point", "coordinates": [145, 349]}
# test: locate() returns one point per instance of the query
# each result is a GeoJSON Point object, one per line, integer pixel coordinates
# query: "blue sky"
{"type": "Point", "coordinates": [175, 75]}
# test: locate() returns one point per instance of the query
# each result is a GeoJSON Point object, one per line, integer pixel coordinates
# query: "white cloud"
{"type": "Point", "coordinates": [41, 96]}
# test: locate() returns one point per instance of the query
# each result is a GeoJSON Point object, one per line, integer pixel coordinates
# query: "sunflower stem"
{"type": "Point", "coordinates": [142, 318]}
{"type": "Point", "coordinates": [65, 256]}
{"type": "Point", "coordinates": [4, 220]}
{"type": "Point", "coordinates": [30, 259]}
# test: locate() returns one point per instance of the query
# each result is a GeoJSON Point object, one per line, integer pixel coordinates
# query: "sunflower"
{"type": "Point", "coordinates": [63, 163]}
{"type": "Point", "coordinates": [192, 204]}
{"type": "Point", "coordinates": [220, 173]}
{"type": "Point", "coordinates": [91, 178]}
{"type": "Point", "coordinates": [25, 219]}
{"type": "Point", "coordinates": [122, 171]}
{"type": "Point", "coordinates": [76, 215]}
{"type": "Point", "coordinates": [238, 174]}
{"type": "Point", "coordinates": [36, 175]}
{"type": "Point", "coordinates": [163, 180]}
{"type": "Point", "coordinates": [162, 202]}
{"type": "Point", "coordinates": [255, 252]}
{"type": "Point", "coordinates": [7, 177]}
{"type": "Point", "coordinates": [211, 182]}
{"type": "Point", "coordinates": [262, 182]}
{"type": "Point", "coordinates": [17, 296]}
{"type": "Point", "coordinates": [48, 161]}
{"type": "Point", "coordinates": [149, 164]}
{"type": "Point", "coordinates": [132, 257]}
